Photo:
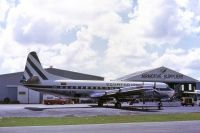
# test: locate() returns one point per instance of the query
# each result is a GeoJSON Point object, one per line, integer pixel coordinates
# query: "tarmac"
{"type": "Point", "coordinates": [84, 110]}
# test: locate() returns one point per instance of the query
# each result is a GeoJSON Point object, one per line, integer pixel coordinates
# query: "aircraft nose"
{"type": "Point", "coordinates": [172, 93]}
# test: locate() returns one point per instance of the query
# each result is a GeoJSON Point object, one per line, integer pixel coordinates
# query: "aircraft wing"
{"type": "Point", "coordinates": [123, 92]}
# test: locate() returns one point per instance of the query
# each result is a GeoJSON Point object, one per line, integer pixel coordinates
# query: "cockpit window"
{"type": "Point", "coordinates": [163, 89]}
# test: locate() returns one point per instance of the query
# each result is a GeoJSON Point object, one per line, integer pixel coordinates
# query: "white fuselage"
{"type": "Point", "coordinates": [85, 88]}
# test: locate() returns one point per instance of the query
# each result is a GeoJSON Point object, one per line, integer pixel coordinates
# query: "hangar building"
{"type": "Point", "coordinates": [10, 87]}
{"type": "Point", "coordinates": [175, 80]}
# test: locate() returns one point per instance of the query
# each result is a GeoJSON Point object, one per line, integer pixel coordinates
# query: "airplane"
{"type": "Point", "coordinates": [38, 79]}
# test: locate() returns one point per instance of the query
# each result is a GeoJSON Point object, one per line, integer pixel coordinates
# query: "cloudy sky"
{"type": "Point", "coordinates": [109, 38]}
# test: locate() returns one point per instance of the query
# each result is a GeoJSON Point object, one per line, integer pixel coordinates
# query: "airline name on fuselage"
{"type": "Point", "coordinates": [120, 84]}
{"type": "Point", "coordinates": [111, 84]}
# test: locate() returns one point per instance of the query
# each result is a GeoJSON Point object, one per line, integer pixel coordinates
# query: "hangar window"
{"type": "Point", "coordinates": [22, 92]}
{"type": "Point", "coordinates": [182, 87]}
{"type": "Point", "coordinates": [190, 87]}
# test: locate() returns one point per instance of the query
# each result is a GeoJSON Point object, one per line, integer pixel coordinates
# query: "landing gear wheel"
{"type": "Point", "coordinates": [118, 105]}
{"type": "Point", "coordinates": [159, 105]}
{"type": "Point", "coordinates": [100, 104]}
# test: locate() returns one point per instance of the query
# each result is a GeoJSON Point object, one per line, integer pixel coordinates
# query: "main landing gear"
{"type": "Point", "coordinates": [100, 103]}
{"type": "Point", "coordinates": [118, 105]}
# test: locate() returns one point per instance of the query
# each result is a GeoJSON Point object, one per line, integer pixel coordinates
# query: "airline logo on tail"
{"type": "Point", "coordinates": [34, 68]}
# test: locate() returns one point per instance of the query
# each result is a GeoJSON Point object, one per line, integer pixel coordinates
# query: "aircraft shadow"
{"type": "Point", "coordinates": [129, 108]}
{"type": "Point", "coordinates": [133, 108]}
{"type": "Point", "coordinates": [41, 109]}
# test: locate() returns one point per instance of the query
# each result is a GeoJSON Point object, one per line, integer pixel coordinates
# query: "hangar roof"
{"type": "Point", "coordinates": [73, 75]}
{"type": "Point", "coordinates": [160, 74]}
{"type": "Point", "coordinates": [63, 73]}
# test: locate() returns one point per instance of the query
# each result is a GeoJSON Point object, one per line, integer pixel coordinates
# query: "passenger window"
{"type": "Point", "coordinates": [63, 83]}
{"type": "Point", "coordinates": [69, 87]}
{"type": "Point", "coordinates": [63, 87]}
{"type": "Point", "coordinates": [84, 87]}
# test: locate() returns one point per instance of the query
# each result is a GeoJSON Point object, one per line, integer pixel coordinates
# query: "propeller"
{"type": "Point", "coordinates": [155, 92]}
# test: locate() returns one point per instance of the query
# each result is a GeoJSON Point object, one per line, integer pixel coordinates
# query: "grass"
{"type": "Point", "coordinates": [44, 121]}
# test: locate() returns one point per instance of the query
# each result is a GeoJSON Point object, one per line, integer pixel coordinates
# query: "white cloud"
{"type": "Point", "coordinates": [190, 14]}
{"type": "Point", "coordinates": [47, 22]}
{"type": "Point", "coordinates": [181, 60]}
{"type": "Point", "coordinates": [157, 23]}
{"type": "Point", "coordinates": [43, 26]}
{"type": "Point", "coordinates": [4, 6]}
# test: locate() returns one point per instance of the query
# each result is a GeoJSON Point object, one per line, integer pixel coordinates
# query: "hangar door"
{"type": "Point", "coordinates": [25, 95]}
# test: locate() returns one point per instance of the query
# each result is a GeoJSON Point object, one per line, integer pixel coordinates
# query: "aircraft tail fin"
{"type": "Point", "coordinates": [34, 69]}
